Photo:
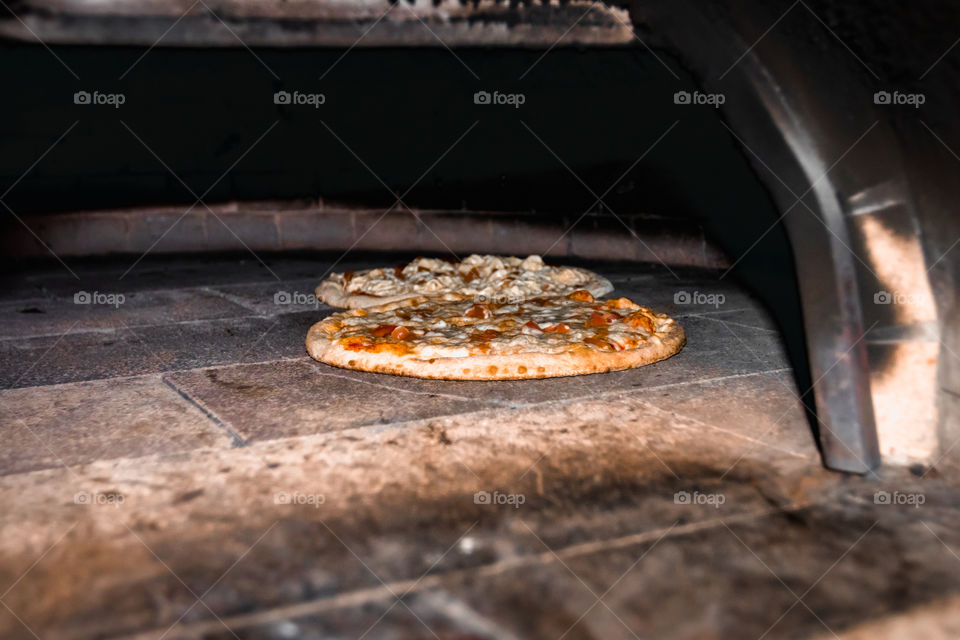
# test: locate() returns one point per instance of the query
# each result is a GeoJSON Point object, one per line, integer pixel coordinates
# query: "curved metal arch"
{"type": "Point", "coordinates": [815, 142]}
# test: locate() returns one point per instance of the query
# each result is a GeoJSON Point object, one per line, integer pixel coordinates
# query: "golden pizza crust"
{"type": "Point", "coordinates": [517, 366]}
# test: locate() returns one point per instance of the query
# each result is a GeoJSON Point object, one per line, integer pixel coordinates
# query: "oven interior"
{"type": "Point", "coordinates": [178, 467]}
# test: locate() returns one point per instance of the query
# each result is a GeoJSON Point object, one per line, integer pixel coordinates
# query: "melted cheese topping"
{"type": "Point", "coordinates": [425, 328]}
{"type": "Point", "coordinates": [497, 279]}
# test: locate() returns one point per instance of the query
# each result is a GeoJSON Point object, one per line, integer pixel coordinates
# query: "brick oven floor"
{"type": "Point", "coordinates": [176, 467]}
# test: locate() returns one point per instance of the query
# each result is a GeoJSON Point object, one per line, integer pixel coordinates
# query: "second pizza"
{"type": "Point", "coordinates": [489, 278]}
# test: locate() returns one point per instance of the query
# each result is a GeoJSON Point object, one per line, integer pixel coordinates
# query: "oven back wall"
{"type": "Point", "coordinates": [199, 111]}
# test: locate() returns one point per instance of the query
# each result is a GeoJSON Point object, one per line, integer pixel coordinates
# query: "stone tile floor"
{"type": "Point", "coordinates": [175, 467]}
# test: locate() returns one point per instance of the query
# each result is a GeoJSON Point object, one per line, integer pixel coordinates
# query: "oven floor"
{"type": "Point", "coordinates": [174, 466]}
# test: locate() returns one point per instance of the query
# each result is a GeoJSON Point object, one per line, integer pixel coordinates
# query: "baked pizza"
{"type": "Point", "coordinates": [543, 337]}
{"type": "Point", "coordinates": [498, 279]}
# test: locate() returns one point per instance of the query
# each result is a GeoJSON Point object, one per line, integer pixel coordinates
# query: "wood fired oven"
{"type": "Point", "coordinates": [178, 176]}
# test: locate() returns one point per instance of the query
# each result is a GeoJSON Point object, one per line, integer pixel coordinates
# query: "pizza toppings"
{"type": "Point", "coordinates": [620, 303]}
{"type": "Point", "coordinates": [533, 328]}
{"type": "Point", "coordinates": [382, 330]}
{"type": "Point", "coordinates": [601, 319]}
{"type": "Point", "coordinates": [401, 333]}
{"type": "Point", "coordinates": [478, 311]}
{"type": "Point", "coordinates": [641, 320]}
{"type": "Point", "coordinates": [599, 342]}
{"type": "Point", "coordinates": [431, 328]}
{"type": "Point", "coordinates": [358, 343]}
{"type": "Point", "coordinates": [582, 295]}
{"type": "Point", "coordinates": [485, 318]}
{"type": "Point", "coordinates": [481, 277]}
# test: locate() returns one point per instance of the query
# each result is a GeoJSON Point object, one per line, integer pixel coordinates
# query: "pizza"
{"type": "Point", "coordinates": [543, 337]}
{"type": "Point", "coordinates": [484, 278]}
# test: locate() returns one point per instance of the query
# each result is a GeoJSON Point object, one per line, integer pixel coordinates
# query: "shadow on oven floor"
{"type": "Point", "coordinates": [175, 466]}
